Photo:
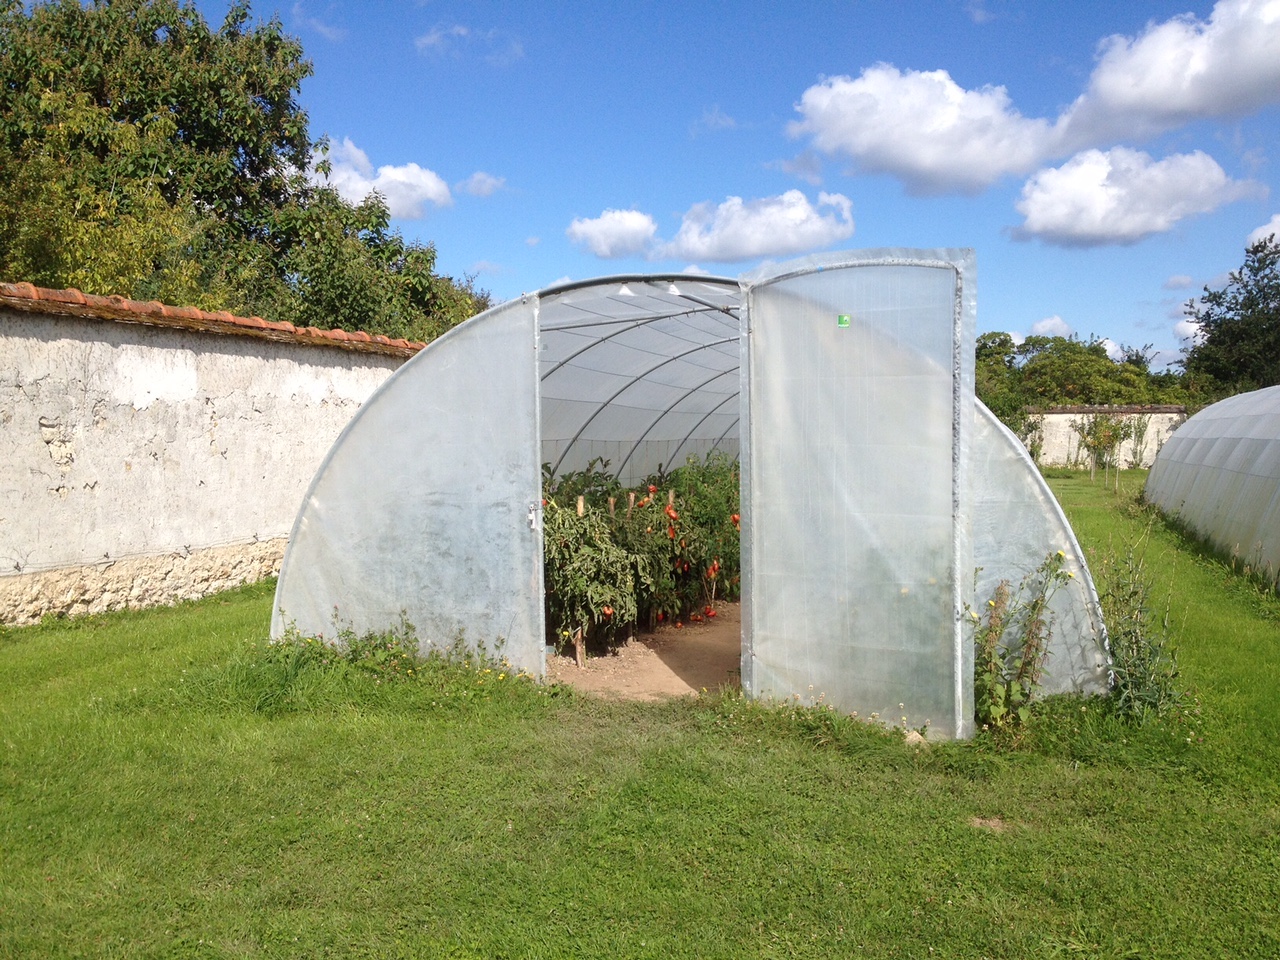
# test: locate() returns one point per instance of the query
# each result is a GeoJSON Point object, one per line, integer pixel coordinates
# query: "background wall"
{"type": "Point", "coordinates": [146, 463]}
{"type": "Point", "coordinates": [1061, 444]}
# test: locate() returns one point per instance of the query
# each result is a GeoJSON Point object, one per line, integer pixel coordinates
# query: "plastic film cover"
{"type": "Point", "coordinates": [858, 562]}
{"type": "Point", "coordinates": [428, 504]}
{"type": "Point", "coordinates": [1219, 473]}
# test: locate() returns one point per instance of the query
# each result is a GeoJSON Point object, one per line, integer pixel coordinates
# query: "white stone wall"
{"type": "Point", "coordinates": [126, 450]}
{"type": "Point", "coordinates": [1061, 444]}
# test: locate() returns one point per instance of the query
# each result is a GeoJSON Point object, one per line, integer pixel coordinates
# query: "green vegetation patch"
{"type": "Point", "coordinates": [172, 785]}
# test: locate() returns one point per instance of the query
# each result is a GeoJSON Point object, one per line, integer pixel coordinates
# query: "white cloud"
{"type": "Point", "coordinates": [1186, 329]}
{"type": "Point", "coordinates": [330, 33]}
{"type": "Point", "coordinates": [615, 233]}
{"type": "Point", "coordinates": [1179, 281]}
{"type": "Point", "coordinates": [497, 48]}
{"type": "Point", "coordinates": [487, 266]}
{"type": "Point", "coordinates": [937, 137]}
{"type": "Point", "coordinates": [1272, 226]}
{"type": "Point", "coordinates": [1053, 326]}
{"type": "Point", "coordinates": [1114, 350]}
{"type": "Point", "coordinates": [729, 232]}
{"type": "Point", "coordinates": [694, 270]}
{"type": "Point", "coordinates": [481, 184]}
{"type": "Point", "coordinates": [773, 226]}
{"type": "Point", "coordinates": [532, 241]}
{"type": "Point", "coordinates": [1180, 70]}
{"type": "Point", "coordinates": [407, 188]}
{"type": "Point", "coordinates": [1121, 196]}
{"type": "Point", "coordinates": [923, 128]}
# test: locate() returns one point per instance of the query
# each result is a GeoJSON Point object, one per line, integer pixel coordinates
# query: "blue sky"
{"type": "Point", "coordinates": [1104, 159]}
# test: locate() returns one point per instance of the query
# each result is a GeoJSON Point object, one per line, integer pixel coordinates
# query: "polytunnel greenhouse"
{"type": "Point", "coordinates": [1219, 473]}
{"type": "Point", "coordinates": [881, 502]}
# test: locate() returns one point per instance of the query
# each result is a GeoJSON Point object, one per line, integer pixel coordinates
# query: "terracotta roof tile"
{"type": "Point", "coordinates": [28, 298]}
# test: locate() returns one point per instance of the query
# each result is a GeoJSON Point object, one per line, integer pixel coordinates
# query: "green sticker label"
{"type": "Point", "coordinates": [842, 320]}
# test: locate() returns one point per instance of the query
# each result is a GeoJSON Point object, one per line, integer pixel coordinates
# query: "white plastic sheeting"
{"type": "Point", "coordinates": [639, 371]}
{"type": "Point", "coordinates": [873, 484]}
{"type": "Point", "coordinates": [425, 505]}
{"type": "Point", "coordinates": [1219, 473]}
{"type": "Point", "coordinates": [1017, 523]}
{"type": "Point", "coordinates": [860, 405]}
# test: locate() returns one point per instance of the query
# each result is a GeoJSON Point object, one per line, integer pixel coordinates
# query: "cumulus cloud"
{"type": "Point", "coordinates": [922, 127]}
{"type": "Point", "coordinates": [1114, 350]}
{"type": "Point", "coordinates": [1181, 70]}
{"type": "Point", "coordinates": [1122, 195]}
{"type": "Point", "coordinates": [938, 137]}
{"type": "Point", "coordinates": [1272, 226]}
{"type": "Point", "coordinates": [615, 233]}
{"type": "Point", "coordinates": [408, 189]}
{"type": "Point", "coordinates": [1053, 326]}
{"type": "Point", "coordinates": [740, 229]}
{"type": "Point", "coordinates": [1179, 281]}
{"type": "Point", "coordinates": [1186, 329]}
{"type": "Point", "coordinates": [481, 184]}
{"type": "Point", "coordinates": [728, 232]}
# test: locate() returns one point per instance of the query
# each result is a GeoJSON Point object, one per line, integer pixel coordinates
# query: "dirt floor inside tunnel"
{"type": "Point", "coordinates": [670, 662]}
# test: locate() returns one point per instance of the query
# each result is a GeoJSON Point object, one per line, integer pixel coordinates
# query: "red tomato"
{"type": "Point", "coordinates": [671, 532]}
{"type": "Point", "coordinates": [652, 488]}
{"type": "Point", "coordinates": [711, 614]}
{"type": "Point", "coordinates": [607, 611]}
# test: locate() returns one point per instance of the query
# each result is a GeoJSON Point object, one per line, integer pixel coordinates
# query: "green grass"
{"type": "Point", "coordinates": [168, 790]}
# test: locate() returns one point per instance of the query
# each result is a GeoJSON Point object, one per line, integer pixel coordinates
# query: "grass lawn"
{"type": "Point", "coordinates": [167, 790]}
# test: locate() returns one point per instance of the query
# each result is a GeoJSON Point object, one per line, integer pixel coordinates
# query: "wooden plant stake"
{"type": "Point", "coordinates": [612, 501]}
{"type": "Point", "coordinates": [579, 650]}
{"type": "Point", "coordinates": [631, 503]}
{"type": "Point", "coordinates": [582, 505]}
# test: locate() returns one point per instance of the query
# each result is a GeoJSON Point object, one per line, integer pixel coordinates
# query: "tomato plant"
{"type": "Point", "coordinates": [648, 555]}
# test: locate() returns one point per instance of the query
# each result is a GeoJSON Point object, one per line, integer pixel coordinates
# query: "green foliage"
{"type": "Point", "coordinates": [1146, 682]}
{"type": "Point", "coordinates": [591, 581]}
{"type": "Point", "coordinates": [237, 141]}
{"type": "Point", "coordinates": [139, 817]}
{"type": "Point", "coordinates": [665, 551]}
{"type": "Point", "coordinates": [1013, 379]}
{"type": "Point", "coordinates": [1101, 435]}
{"type": "Point", "coordinates": [1010, 644]}
{"type": "Point", "coordinates": [146, 155]}
{"type": "Point", "coordinates": [1238, 344]}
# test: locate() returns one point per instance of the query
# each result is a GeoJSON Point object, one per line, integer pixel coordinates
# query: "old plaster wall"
{"type": "Point", "coordinates": [1061, 444]}
{"type": "Point", "coordinates": [143, 465]}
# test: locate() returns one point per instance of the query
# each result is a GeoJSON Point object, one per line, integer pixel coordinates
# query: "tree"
{"type": "Point", "coordinates": [1066, 370]}
{"type": "Point", "coordinates": [236, 139]}
{"type": "Point", "coordinates": [144, 154]}
{"type": "Point", "coordinates": [1237, 347]}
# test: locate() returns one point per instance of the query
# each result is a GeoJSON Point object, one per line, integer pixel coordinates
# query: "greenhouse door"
{"type": "Point", "coordinates": [858, 398]}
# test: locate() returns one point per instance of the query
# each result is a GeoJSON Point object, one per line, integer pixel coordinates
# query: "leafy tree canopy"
{"type": "Point", "coordinates": [1238, 344]}
{"type": "Point", "coordinates": [145, 154]}
{"type": "Point", "coordinates": [1065, 371]}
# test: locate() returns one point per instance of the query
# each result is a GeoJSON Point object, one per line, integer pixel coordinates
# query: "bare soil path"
{"type": "Point", "coordinates": [666, 663]}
